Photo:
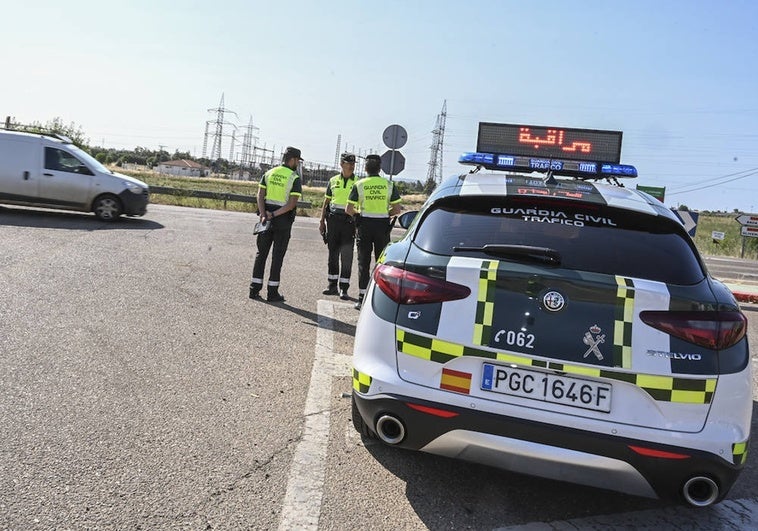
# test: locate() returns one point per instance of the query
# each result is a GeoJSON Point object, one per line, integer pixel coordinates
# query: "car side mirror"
{"type": "Point", "coordinates": [406, 218]}
{"type": "Point", "coordinates": [84, 170]}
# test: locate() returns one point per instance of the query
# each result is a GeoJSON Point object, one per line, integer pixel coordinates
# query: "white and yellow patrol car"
{"type": "Point", "coordinates": [556, 325]}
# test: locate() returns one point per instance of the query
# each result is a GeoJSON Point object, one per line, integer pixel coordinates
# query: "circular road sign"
{"type": "Point", "coordinates": [393, 162]}
{"type": "Point", "coordinates": [395, 136]}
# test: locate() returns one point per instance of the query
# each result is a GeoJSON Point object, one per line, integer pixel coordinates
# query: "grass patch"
{"type": "Point", "coordinates": [313, 195]}
{"type": "Point", "coordinates": [732, 243]}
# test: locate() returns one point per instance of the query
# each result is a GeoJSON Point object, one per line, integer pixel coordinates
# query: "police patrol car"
{"type": "Point", "coordinates": [565, 328]}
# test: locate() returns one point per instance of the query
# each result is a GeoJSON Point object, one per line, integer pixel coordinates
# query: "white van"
{"type": "Point", "coordinates": [51, 172]}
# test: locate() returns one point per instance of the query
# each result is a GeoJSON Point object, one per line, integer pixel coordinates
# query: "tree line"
{"type": "Point", "coordinates": [150, 158]}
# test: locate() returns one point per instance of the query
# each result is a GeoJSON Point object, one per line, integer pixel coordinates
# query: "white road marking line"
{"type": "Point", "coordinates": [302, 502]}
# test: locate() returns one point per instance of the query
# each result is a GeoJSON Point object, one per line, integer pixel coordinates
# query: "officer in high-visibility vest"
{"type": "Point", "coordinates": [377, 199]}
{"type": "Point", "coordinates": [278, 193]}
{"type": "Point", "coordinates": [338, 228]}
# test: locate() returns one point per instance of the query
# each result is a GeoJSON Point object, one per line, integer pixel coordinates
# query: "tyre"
{"type": "Point", "coordinates": [358, 423]}
{"type": "Point", "coordinates": [107, 207]}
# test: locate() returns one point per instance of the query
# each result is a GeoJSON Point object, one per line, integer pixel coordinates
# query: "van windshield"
{"type": "Point", "coordinates": [88, 159]}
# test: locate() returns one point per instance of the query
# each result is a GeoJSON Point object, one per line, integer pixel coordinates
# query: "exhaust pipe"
{"type": "Point", "coordinates": [700, 491]}
{"type": "Point", "coordinates": [390, 429]}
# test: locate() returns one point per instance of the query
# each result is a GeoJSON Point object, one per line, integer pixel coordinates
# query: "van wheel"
{"type": "Point", "coordinates": [107, 207]}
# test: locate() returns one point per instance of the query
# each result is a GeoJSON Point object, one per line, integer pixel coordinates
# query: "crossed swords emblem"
{"type": "Point", "coordinates": [593, 342]}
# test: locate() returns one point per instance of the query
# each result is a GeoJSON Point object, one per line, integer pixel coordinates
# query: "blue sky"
{"type": "Point", "coordinates": [679, 78]}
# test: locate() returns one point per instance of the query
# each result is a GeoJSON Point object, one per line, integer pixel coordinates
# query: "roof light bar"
{"type": "Point", "coordinates": [573, 168]}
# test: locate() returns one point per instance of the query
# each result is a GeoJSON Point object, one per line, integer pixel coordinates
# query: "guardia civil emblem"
{"type": "Point", "coordinates": [592, 338]}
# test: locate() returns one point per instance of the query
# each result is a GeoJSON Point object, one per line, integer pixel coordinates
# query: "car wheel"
{"type": "Point", "coordinates": [107, 207]}
{"type": "Point", "coordinates": [360, 426]}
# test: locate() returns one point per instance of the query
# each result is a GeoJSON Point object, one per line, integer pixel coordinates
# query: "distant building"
{"type": "Point", "coordinates": [183, 167]}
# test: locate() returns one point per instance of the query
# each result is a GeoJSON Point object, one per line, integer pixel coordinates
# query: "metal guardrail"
{"type": "Point", "coordinates": [219, 196]}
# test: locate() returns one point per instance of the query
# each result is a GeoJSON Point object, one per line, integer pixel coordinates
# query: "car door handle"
{"type": "Point", "coordinates": [26, 175]}
{"type": "Point", "coordinates": [47, 174]}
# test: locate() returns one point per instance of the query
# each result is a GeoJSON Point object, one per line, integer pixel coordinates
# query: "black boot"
{"type": "Point", "coordinates": [331, 290]}
{"type": "Point", "coordinates": [359, 304]}
{"type": "Point", "coordinates": [274, 295]}
{"type": "Point", "coordinates": [255, 293]}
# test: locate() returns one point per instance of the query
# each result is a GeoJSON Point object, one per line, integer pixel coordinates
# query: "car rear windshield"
{"type": "Point", "coordinates": [587, 237]}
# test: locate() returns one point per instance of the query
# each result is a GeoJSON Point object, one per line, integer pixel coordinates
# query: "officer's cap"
{"type": "Point", "coordinates": [373, 156]}
{"type": "Point", "coordinates": [292, 152]}
{"type": "Point", "coordinates": [347, 157]}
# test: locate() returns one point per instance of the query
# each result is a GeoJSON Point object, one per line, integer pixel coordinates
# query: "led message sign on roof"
{"type": "Point", "coordinates": [550, 142]}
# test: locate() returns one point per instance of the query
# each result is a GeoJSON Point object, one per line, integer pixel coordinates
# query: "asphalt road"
{"type": "Point", "coordinates": [142, 389]}
{"type": "Point", "coordinates": [733, 270]}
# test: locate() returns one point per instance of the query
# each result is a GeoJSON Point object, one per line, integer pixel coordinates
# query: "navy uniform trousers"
{"type": "Point", "coordinates": [373, 234]}
{"type": "Point", "coordinates": [278, 237]}
{"type": "Point", "coordinates": [340, 239]}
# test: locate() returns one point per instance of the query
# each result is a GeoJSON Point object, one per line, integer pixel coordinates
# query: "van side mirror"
{"type": "Point", "coordinates": [406, 218]}
{"type": "Point", "coordinates": [84, 170]}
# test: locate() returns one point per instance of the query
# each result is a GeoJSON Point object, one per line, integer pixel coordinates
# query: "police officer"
{"type": "Point", "coordinates": [278, 193]}
{"type": "Point", "coordinates": [339, 228]}
{"type": "Point", "coordinates": [377, 199]}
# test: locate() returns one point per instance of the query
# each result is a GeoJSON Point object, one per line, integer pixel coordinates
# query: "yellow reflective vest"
{"type": "Point", "coordinates": [280, 183]}
{"type": "Point", "coordinates": [338, 192]}
{"type": "Point", "coordinates": [374, 195]}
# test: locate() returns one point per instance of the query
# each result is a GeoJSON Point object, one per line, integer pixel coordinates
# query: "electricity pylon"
{"type": "Point", "coordinates": [435, 173]}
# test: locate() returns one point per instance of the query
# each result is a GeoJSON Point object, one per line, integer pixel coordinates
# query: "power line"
{"type": "Point", "coordinates": [753, 170]}
{"type": "Point", "coordinates": [713, 179]}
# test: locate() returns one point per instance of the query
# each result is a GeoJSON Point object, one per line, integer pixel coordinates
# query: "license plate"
{"type": "Point", "coordinates": [547, 387]}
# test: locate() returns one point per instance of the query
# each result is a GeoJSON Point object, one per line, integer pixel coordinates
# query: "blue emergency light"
{"type": "Point", "coordinates": [573, 168]}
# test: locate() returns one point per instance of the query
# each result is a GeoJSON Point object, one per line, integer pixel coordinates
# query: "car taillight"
{"type": "Point", "coordinates": [406, 287]}
{"type": "Point", "coordinates": [712, 330]}
{"type": "Point", "coordinates": [651, 452]}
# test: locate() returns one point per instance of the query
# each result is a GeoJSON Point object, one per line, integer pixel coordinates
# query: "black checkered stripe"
{"type": "Point", "coordinates": [361, 381]}
{"type": "Point", "coordinates": [485, 302]}
{"type": "Point", "coordinates": [622, 323]}
{"type": "Point", "coordinates": [739, 452]}
{"type": "Point", "coordinates": [661, 388]}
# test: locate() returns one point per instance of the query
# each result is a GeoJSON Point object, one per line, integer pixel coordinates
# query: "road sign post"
{"type": "Point", "coordinates": [688, 219]}
{"type": "Point", "coordinates": [749, 228]}
{"type": "Point", "coordinates": [749, 220]}
{"type": "Point", "coordinates": [395, 137]}
{"type": "Point", "coordinates": [393, 162]}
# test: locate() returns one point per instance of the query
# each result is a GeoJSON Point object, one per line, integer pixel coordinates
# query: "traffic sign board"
{"type": "Point", "coordinates": [689, 220]}
{"type": "Point", "coordinates": [659, 192]}
{"type": "Point", "coordinates": [748, 219]}
{"type": "Point", "coordinates": [393, 162]}
{"type": "Point", "coordinates": [749, 231]}
{"type": "Point", "coordinates": [395, 137]}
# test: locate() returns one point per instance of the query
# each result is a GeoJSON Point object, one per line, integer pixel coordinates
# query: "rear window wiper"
{"type": "Point", "coordinates": [519, 252]}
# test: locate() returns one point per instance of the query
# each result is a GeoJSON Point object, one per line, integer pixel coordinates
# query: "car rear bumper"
{"type": "Point", "coordinates": [546, 450]}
